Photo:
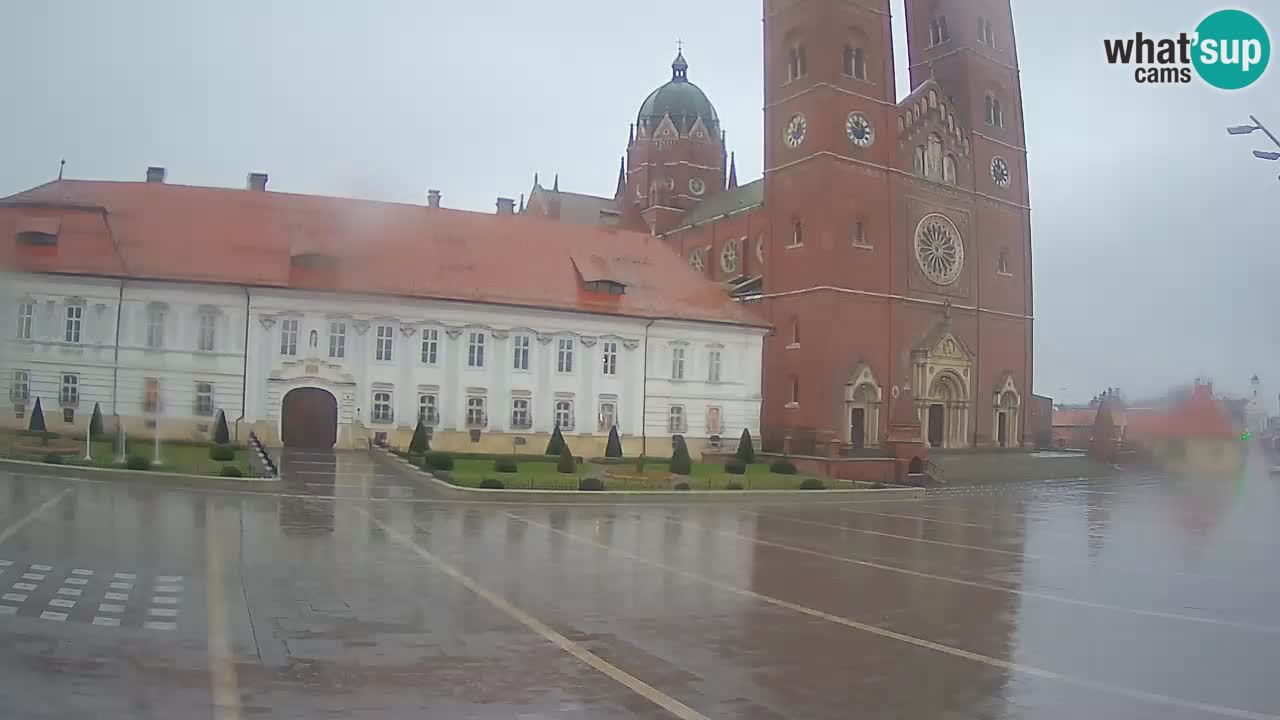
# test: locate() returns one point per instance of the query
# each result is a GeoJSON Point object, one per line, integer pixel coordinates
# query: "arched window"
{"type": "Point", "coordinates": [795, 331]}
{"type": "Point", "coordinates": [938, 32]}
{"type": "Point", "coordinates": [933, 100]}
{"type": "Point", "coordinates": [949, 169]}
{"type": "Point", "coordinates": [995, 116]}
{"type": "Point", "coordinates": [797, 63]}
{"type": "Point", "coordinates": [855, 63]}
{"type": "Point", "coordinates": [797, 234]}
{"type": "Point", "coordinates": [986, 35]}
{"type": "Point", "coordinates": [795, 390]}
{"type": "Point", "coordinates": [1002, 265]}
{"type": "Point", "coordinates": [919, 160]}
{"type": "Point", "coordinates": [729, 257]}
{"type": "Point", "coordinates": [933, 158]}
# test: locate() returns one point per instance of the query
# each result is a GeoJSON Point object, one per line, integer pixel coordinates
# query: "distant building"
{"type": "Point", "coordinates": [1255, 414]}
{"type": "Point", "coordinates": [1197, 437]}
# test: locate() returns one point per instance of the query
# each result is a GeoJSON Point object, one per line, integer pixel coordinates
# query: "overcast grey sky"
{"type": "Point", "coordinates": [1153, 260]}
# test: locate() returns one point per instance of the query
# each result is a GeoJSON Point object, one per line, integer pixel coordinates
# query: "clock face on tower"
{"type": "Point", "coordinates": [796, 130]}
{"type": "Point", "coordinates": [859, 130]}
{"type": "Point", "coordinates": [1000, 172]}
{"type": "Point", "coordinates": [697, 186]}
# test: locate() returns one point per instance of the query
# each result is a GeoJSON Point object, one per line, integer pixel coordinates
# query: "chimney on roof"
{"type": "Point", "coordinates": [256, 181]}
{"type": "Point", "coordinates": [156, 174]}
{"type": "Point", "coordinates": [506, 206]}
{"type": "Point", "coordinates": [433, 198]}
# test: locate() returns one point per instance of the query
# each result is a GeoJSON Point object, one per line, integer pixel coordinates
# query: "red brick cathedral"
{"type": "Point", "coordinates": [888, 242]}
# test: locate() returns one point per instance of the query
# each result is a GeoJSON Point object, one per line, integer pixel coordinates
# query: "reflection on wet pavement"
{"type": "Point", "coordinates": [356, 591]}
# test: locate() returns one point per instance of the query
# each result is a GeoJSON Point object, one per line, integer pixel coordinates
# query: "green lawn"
{"type": "Point", "coordinates": [190, 459]}
{"type": "Point", "coordinates": [533, 475]}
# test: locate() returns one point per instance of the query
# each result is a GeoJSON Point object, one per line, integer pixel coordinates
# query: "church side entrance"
{"type": "Point", "coordinates": [937, 422]}
{"type": "Point", "coordinates": [309, 419]}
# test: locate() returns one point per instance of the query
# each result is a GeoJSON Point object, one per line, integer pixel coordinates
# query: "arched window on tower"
{"type": "Point", "coordinates": [795, 390]}
{"type": "Point", "coordinates": [797, 63]}
{"type": "Point", "coordinates": [1002, 265]}
{"type": "Point", "coordinates": [938, 32]}
{"type": "Point", "coordinates": [995, 116]}
{"type": "Point", "coordinates": [855, 63]}
{"type": "Point", "coordinates": [933, 100]}
{"type": "Point", "coordinates": [795, 332]}
{"type": "Point", "coordinates": [949, 169]}
{"type": "Point", "coordinates": [986, 35]}
{"type": "Point", "coordinates": [919, 160]}
{"type": "Point", "coordinates": [933, 158]}
{"type": "Point", "coordinates": [797, 233]}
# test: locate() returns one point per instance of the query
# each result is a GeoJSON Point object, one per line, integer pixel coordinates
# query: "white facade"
{"type": "Point", "coordinates": [179, 343]}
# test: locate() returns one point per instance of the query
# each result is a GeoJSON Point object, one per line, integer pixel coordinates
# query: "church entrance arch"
{"type": "Point", "coordinates": [862, 409]}
{"type": "Point", "coordinates": [309, 419]}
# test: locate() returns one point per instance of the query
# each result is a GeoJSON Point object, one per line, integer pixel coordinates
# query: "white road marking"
{"type": "Point", "coordinates": [32, 576]}
{"type": "Point", "coordinates": [157, 625]}
{"type": "Point", "coordinates": [51, 615]}
{"type": "Point", "coordinates": [125, 576]}
{"type": "Point", "coordinates": [79, 571]}
{"type": "Point", "coordinates": [107, 621]}
{"type": "Point", "coordinates": [14, 597]}
{"type": "Point", "coordinates": [5, 563]}
{"type": "Point", "coordinates": [105, 607]}
{"type": "Point", "coordinates": [26, 587]}
{"type": "Point", "coordinates": [8, 610]}
{"type": "Point", "coordinates": [116, 596]}
{"type": "Point", "coordinates": [25, 519]}
{"type": "Point", "coordinates": [914, 517]}
{"type": "Point", "coordinates": [59, 602]}
{"type": "Point", "coordinates": [162, 612]}
{"type": "Point", "coordinates": [72, 592]}
{"type": "Point", "coordinates": [167, 589]}
{"type": "Point", "coordinates": [1029, 670]}
{"type": "Point", "coordinates": [636, 685]}
{"type": "Point", "coordinates": [42, 568]}
{"type": "Point", "coordinates": [121, 586]}
{"type": "Point", "coordinates": [165, 600]}
{"type": "Point", "coordinates": [75, 581]}
{"type": "Point", "coordinates": [169, 579]}
{"type": "Point", "coordinates": [223, 680]}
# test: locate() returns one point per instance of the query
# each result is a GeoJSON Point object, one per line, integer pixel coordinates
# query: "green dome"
{"type": "Point", "coordinates": [682, 100]}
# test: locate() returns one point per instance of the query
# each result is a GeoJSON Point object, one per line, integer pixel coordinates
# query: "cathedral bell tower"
{"type": "Point", "coordinates": [675, 154]}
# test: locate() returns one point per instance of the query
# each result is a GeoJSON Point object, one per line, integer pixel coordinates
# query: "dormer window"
{"type": "Point", "coordinates": [607, 287]}
{"type": "Point", "coordinates": [38, 232]}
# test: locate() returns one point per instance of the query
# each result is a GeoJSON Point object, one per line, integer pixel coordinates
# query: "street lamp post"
{"type": "Point", "coordinates": [1249, 130]}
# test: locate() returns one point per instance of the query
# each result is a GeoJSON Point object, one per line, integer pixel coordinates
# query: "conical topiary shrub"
{"type": "Point", "coordinates": [556, 444]}
{"type": "Point", "coordinates": [680, 462]}
{"type": "Point", "coordinates": [614, 448]}
{"type": "Point", "coordinates": [746, 451]}
{"type": "Point", "coordinates": [96, 429]}
{"type": "Point", "coordinates": [36, 424]}
{"type": "Point", "coordinates": [221, 435]}
{"type": "Point", "coordinates": [418, 444]}
{"type": "Point", "coordinates": [567, 464]}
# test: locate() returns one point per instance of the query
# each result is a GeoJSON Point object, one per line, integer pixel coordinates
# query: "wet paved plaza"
{"type": "Point", "coordinates": [358, 593]}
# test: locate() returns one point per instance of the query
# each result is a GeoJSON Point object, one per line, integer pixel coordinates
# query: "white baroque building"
{"type": "Point", "coordinates": [323, 322]}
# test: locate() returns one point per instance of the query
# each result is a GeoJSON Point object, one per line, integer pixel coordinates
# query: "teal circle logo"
{"type": "Point", "coordinates": [1232, 49]}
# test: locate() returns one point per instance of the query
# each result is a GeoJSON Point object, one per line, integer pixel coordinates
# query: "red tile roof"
{"type": "Point", "coordinates": [183, 233]}
{"type": "Point", "coordinates": [1074, 418]}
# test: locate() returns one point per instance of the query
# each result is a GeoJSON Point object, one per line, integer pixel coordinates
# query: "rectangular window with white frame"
{"type": "Point", "coordinates": [477, 411]}
{"type": "Point", "coordinates": [521, 415]}
{"type": "Point", "coordinates": [430, 346]}
{"type": "Point", "coordinates": [75, 316]}
{"type": "Point", "coordinates": [564, 356]}
{"type": "Point", "coordinates": [429, 408]}
{"type": "Point", "coordinates": [520, 352]}
{"type": "Point", "coordinates": [20, 388]}
{"type": "Point", "coordinates": [26, 315]}
{"type": "Point", "coordinates": [475, 350]}
{"type": "Point", "coordinates": [713, 366]}
{"type": "Point", "coordinates": [337, 339]}
{"type": "Point", "coordinates": [205, 341]}
{"type": "Point", "coordinates": [676, 421]}
{"type": "Point", "coordinates": [204, 399]}
{"type": "Point", "coordinates": [385, 342]}
{"type": "Point", "coordinates": [288, 337]}
{"type": "Point", "coordinates": [383, 411]}
{"type": "Point", "coordinates": [564, 414]}
{"type": "Point", "coordinates": [608, 415]}
{"type": "Point", "coordinates": [677, 363]}
{"type": "Point", "coordinates": [155, 327]}
{"type": "Point", "coordinates": [70, 394]}
{"type": "Point", "coordinates": [609, 357]}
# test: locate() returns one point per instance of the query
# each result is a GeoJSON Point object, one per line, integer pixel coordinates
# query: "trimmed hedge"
{"type": "Point", "coordinates": [680, 462]}
{"type": "Point", "coordinates": [437, 461]}
{"type": "Point", "coordinates": [508, 456]}
{"type": "Point", "coordinates": [682, 485]}
{"type": "Point", "coordinates": [505, 465]}
{"type": "Point", "coordinates": [746, 450]}
{"type": "Point", "coordinates": [231, 471]}
{"type": "Point", "coordinates": [812, 484]}
{"type": "Point", "coordinates": [591, 484]}
{"type": "Point", "coordinates": [53, 459]}
{"type": "Point", "coordinates": [735, 467]}
{"type": "Point", "coordinates": [733, 485]}
{"type": "Point", "coordinates": [492, 484]}
{"type": "Point", "coordinates": [567, 464]}
{"type": "Point", "coordinates": [137, 462]}
{"type": "Point", "coordinates": [222, 453]}
{"type": "Point", "coordinates": [783, 467]}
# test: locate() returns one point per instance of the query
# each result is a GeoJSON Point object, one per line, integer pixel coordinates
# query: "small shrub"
{"type": "Point", "coordinates": [812, 484]}
{"type": "Point", "coordinates": [568, 464]}
{"type": "Point", "coordinates": [614, 447]}
{"type": "Point", "coordinates": [733, 485]}
{"type": "Point", "coordinates": [682, 485]}
{"type": "Point", "coordinates": [746, 450]}
{"type": "Point", "coordinates": [437, 461]}
{"type": "Point", "coordinates": [505, 465]}
{"type": "Point", "coordinates": [783, 467]}
{"type": "Point", "coordinates": [221, 435]}
{"type": "Point", "coordinates": [222, 453]}
{"type": "Point", "coordinates": [556, 444]}
{"type": "Point", "coordinates": [680, 462]}
{"type": "Point", "coordinates": [591, 484]}
{"type": "Point", "coordinates": [137, 462]}
{"type": "Point", "coordinates": [492, 484]}
{"type": "Point", "coordinates": [231, 471]}
{"type": "Point", "coordinates": [445, 476]}
{"type": "Point", "coordinates": [53, 459]}
{"type": "Point", "coordinates": [418, 443]}
{"type": "Point", "coordinates": [735, 467]}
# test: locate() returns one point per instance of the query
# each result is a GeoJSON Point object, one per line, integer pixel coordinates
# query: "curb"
{"type": "Point", "coordinates": [626, 496]}
{"type": "Point", "coordinates": [137, 473]}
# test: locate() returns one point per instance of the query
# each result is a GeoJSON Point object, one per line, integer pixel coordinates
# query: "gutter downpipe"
{"type": "Point", "coordinates": [115, 361]}
{"type": "Point", "coordinates": [244, 373]}
{"type": "Point", "coordinates": [644, 394]}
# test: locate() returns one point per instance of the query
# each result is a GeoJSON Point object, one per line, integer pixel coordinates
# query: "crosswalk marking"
{"type": "Point", "coordinates": [125, 576]}
{"type": "Point", "coordinates": [59, 602]}
{"type": "Point", "coordinates": [121, 586]}
{"type": "Point", "coordinates": [107, 621]}
{"type": "Point", "coordinates": [8, 610]}
{"type": "Point", "coordinates": [168, 588]}
{"type": "Point", "coordinates": [27, 587]}
{"type": "Point", "coordinates": [75, 581]}
{"type": "Point", "coordinates": [157, 625]}
{"type": "Point", "coordinates": [14, 597]}
{"type": "Point", "coordinates": [81, 571]}
{"type": "Point", "coordinates": [73, 592]}
{"type": "Point", "coordinates": [165, 600]}
{"type": "Point", "coordinates": [109, 608]}
{"type": "Point", "coordinates": [51, 615]}
{"type": "Point", "coordinates": [169, 579]}
{"type": "Point", "coordinates": [162, 612]}
{"type": "Point", "coordinates": [42, 568]}
{"type": "Point", "coordinates": [32, 576]}
{"type": "Point", "coordinates": [162, 604]}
